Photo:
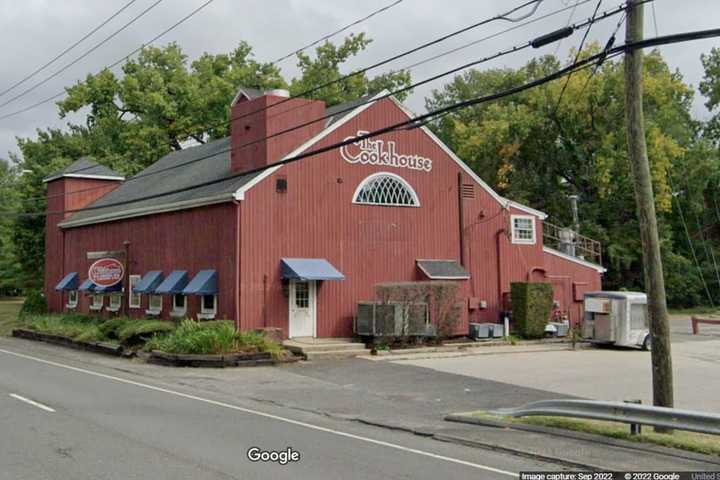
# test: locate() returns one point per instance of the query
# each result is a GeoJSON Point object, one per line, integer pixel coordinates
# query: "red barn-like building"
{"type": "Point", "coordinates": [221, 231]}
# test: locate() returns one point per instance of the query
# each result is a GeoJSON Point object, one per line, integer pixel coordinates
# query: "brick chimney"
{"type": "Point", "coordinates": [248, 128]}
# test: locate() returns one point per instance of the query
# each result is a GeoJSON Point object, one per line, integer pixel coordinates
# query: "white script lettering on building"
{"type": "Point", "coordinates": [382, 153]}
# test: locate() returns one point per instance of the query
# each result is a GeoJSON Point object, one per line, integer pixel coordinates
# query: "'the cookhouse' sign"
{"type": "Point", "coordinates": [375, 152]}
{"type": "Point", "coordinates": [106, 272]}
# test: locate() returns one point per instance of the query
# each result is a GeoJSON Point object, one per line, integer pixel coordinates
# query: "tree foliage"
{"type": "Point", "coordinates": [160, 102]}
{"type": "Point", "coordinates": [536, 149]}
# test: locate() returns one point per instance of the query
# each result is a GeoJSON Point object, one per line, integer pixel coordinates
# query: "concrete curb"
{"type": "Point", "coordinates": [96, 347]}
{"type": "Point", "coordinates": [519, 453]}
{"type": "Point", "coordinates": [490, 349]}
{"type": "Point", "coordinates": [588, 437]}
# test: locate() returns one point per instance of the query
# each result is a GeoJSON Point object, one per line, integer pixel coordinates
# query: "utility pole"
{"type": "Point", "coordinates": [637, 151]}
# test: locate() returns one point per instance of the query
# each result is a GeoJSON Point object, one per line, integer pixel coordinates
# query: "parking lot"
{"type": "Point", "coordinates": [605, 373]}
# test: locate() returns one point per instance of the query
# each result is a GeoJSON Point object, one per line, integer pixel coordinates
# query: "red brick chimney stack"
{"type": "Point", "coordinates": [253, 121]}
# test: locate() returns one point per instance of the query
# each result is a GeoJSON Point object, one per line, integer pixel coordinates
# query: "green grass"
{"type": "Point", "coordinates": [77, 327]}
{"type": "Point", "coordinates": [690, 441]}
{"type": "Point", "coordinates": [9, 309]}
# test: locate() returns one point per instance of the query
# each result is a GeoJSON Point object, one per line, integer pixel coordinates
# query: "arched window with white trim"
{"type": "Point", "coordinates": [386, 189]}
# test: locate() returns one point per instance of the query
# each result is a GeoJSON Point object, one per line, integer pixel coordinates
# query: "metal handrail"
{"type": "Point", "coordinates": [585, 247]}
{"type": "Point", "coordinates": [673, 418]}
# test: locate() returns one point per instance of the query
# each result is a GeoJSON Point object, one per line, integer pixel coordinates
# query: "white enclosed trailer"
{"type": "Point", "coordinates": [618, 318]}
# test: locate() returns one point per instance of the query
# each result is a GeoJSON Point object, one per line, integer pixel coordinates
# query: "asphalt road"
{"type": "Point", "coordinates": [60, 419]}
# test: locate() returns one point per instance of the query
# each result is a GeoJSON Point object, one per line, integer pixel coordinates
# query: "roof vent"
{"type": "Point", "coordinates": [278, 92]}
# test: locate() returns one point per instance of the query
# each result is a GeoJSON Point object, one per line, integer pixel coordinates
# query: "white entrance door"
{"type": "Point", "coordinates": [302, 309]}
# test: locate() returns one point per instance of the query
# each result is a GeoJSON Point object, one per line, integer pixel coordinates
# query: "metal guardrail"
{"type": "Point", "coordinates": [689, 420]}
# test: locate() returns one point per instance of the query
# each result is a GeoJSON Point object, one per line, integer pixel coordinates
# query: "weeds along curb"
{"type": "Point", "coordinates": [588, 437]}
{"type": "Point", "coordinates": [96, 347]}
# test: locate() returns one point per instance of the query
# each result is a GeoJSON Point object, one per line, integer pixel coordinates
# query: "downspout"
{"type": "Point", "coordinates": [238, 251]}
{"type": "Point", "coordinates": [498, 247]}
{"type": "Point", "coordinates": [62, 269]}
{"type": "Point", "coordinates": [126, 279]}
{"type": "Point", "coordinates": [461, 223]}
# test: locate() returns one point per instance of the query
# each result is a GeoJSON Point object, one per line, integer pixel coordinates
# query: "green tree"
{"type": "Point", "coordinates": [160, 101]}
{"type": "Point", "coordinates": [535, 149]}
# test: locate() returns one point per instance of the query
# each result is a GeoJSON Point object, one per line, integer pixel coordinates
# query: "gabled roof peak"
{"type": "Point", "coordinates": [85, 167]}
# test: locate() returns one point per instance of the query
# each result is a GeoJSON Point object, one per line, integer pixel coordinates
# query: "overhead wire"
{"type": "Point", "coordinates": [336, 32]}
{"type": "Point", "coordinates": [116, 63]}
{"type": "Point", "coordinates": [66, 50]}
{"type": "Point", "coordinates": [577, 57]}
{"type": "Point", "coordinates": [582, 64]}
{"type": "Point", "coordinates": [355, 105]}
{"type": "Point", "coordinates": [82, 56]}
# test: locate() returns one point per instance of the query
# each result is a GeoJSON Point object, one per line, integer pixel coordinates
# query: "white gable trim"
{"type": "Point", "coordinates": [80, 175]}
{"type": "Point", "coordinates": [240, 193]}
{"type": "Point", "coordinates": [579, 261]}
{"type": "Point", "coordinates": [501, 200]}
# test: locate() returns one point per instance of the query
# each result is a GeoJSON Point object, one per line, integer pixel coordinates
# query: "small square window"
{"type": "Point", "coordinates": [179, 305]}
{"type": "Point", "coordinates": [115, 302]}
{"type": "Point", "coordinates": [154, 305]}
{"type": "Point", "coordinates": [97, 302]}
{"type": "Point", "coordinates": [208, 307]}
{"type": "Point", "coordinates": [523, 229]}
{"type": "Point", "coordinates": [302, 295]}
{"type": "Point", "coordinates": [72, 299]}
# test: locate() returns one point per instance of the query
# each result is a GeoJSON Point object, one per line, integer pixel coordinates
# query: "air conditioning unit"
{"type": "Point", "coordinates": [375, 319]}
{"type": "Point", "coordinates": [486, 330]}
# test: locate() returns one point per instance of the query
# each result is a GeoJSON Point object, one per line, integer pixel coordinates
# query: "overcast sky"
{"type": "Point", "coordinates": [34, 31]}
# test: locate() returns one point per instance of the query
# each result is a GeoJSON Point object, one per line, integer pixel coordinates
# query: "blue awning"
{"type": "Point", "coordinates": [87, 286]}
{"type": "Point", "coordinates": [309, 269]}
{"type": "Point", "coordinates": [112, 289]}
{"type": "Point", "coordinates": [173, 283]}
{"type": "Point", "coordinates": [149, 282]}
{"type": "Point", "coordinates": [70, 282]}
{"type": "Point", "coordinates": [203, 283]}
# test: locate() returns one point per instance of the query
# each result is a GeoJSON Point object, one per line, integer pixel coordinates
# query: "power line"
{"type": "Point", "coordinates": [330, 35]}
{"type": "Point", "coordinates": [419, 119]}
{"type": "Point", "coordinates": [85, 54]}
{"type": "Point", "coordinates": [121, 60]}
{"type": "Point", "coordinates": [569, 21]}
{"type": "Point", "coordinates": [355, 105]}
{"type": "Point", "coordinates": [690, 244]}
{"type": "Point", "coordinates": [577, 56]}
{"type": "Point", "coordinates": [68, 49]}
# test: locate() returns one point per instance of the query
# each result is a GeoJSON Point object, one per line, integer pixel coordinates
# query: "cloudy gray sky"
{"type": "Point", "coordinates": [34, 31]}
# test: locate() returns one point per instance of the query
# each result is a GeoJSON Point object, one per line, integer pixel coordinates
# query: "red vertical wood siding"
{"type": "Point", "coordinates": [192, 240]}
{"type": "Point", "coordinates": [316, 218]}
{"type": "Point", "coordinates": [565, 275]}
{"type": "Point", "coordinates": [64, 194]}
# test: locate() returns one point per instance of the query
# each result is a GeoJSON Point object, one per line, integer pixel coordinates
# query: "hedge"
{"type": "Point", "coordinates": [532, 305]}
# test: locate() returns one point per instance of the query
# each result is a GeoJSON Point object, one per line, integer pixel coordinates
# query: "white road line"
{"type": "Point", "coordinates": [266, 415]}
{"type": "Point", "coordinates": [33, 403]}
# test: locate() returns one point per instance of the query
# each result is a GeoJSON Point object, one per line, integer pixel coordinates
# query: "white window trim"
{"type": "Point", "coordinates": [115, 308]}
{"type": "Point", "coordinates": [154, 310]}
{"type": "Point", "coordinates": [95, 307]}
{"type": "Point", "coordinates": [523, 241]}
{"type": "Point", "coordinates": [178, 312]}
{"type": "Point", "coordinates": [70, 302]}
{"type": "Point", "coordinates": [132, 304]}
{"type": "Point", "coordinates": [400, 179]}
{"type": "Point", "coordinates": [207, 313]}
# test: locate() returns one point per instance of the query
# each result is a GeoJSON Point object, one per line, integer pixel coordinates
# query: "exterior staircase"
{"type": "Point", "coordinates": [325, 348]}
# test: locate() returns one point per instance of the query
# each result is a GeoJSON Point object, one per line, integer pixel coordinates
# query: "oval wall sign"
{"type": "Point", "coordinates": [106, 272]}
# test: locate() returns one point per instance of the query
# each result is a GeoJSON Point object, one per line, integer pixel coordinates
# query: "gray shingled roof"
{"type": "Point", "coordinates": [84, 167]}
{"type": "Point", "coordinates": [210, 162]}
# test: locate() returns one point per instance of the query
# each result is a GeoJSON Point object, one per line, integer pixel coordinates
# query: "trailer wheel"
{"type": "Point", "coordinates": [647, 343]}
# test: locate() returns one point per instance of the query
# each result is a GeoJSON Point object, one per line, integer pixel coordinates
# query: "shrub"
{"type": "Point", "coordinates": [77, 327]}
{"type": "Point", "coordinates": [134, 332]}
{"type": "Point", "coordinates": [532, 304]}
{"type": "Point", "coordinates": [111, 328]}
{"type": "Point", "coordinates": [215, 337]}
{"type": "Point", "coordinates": [34, 304]}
